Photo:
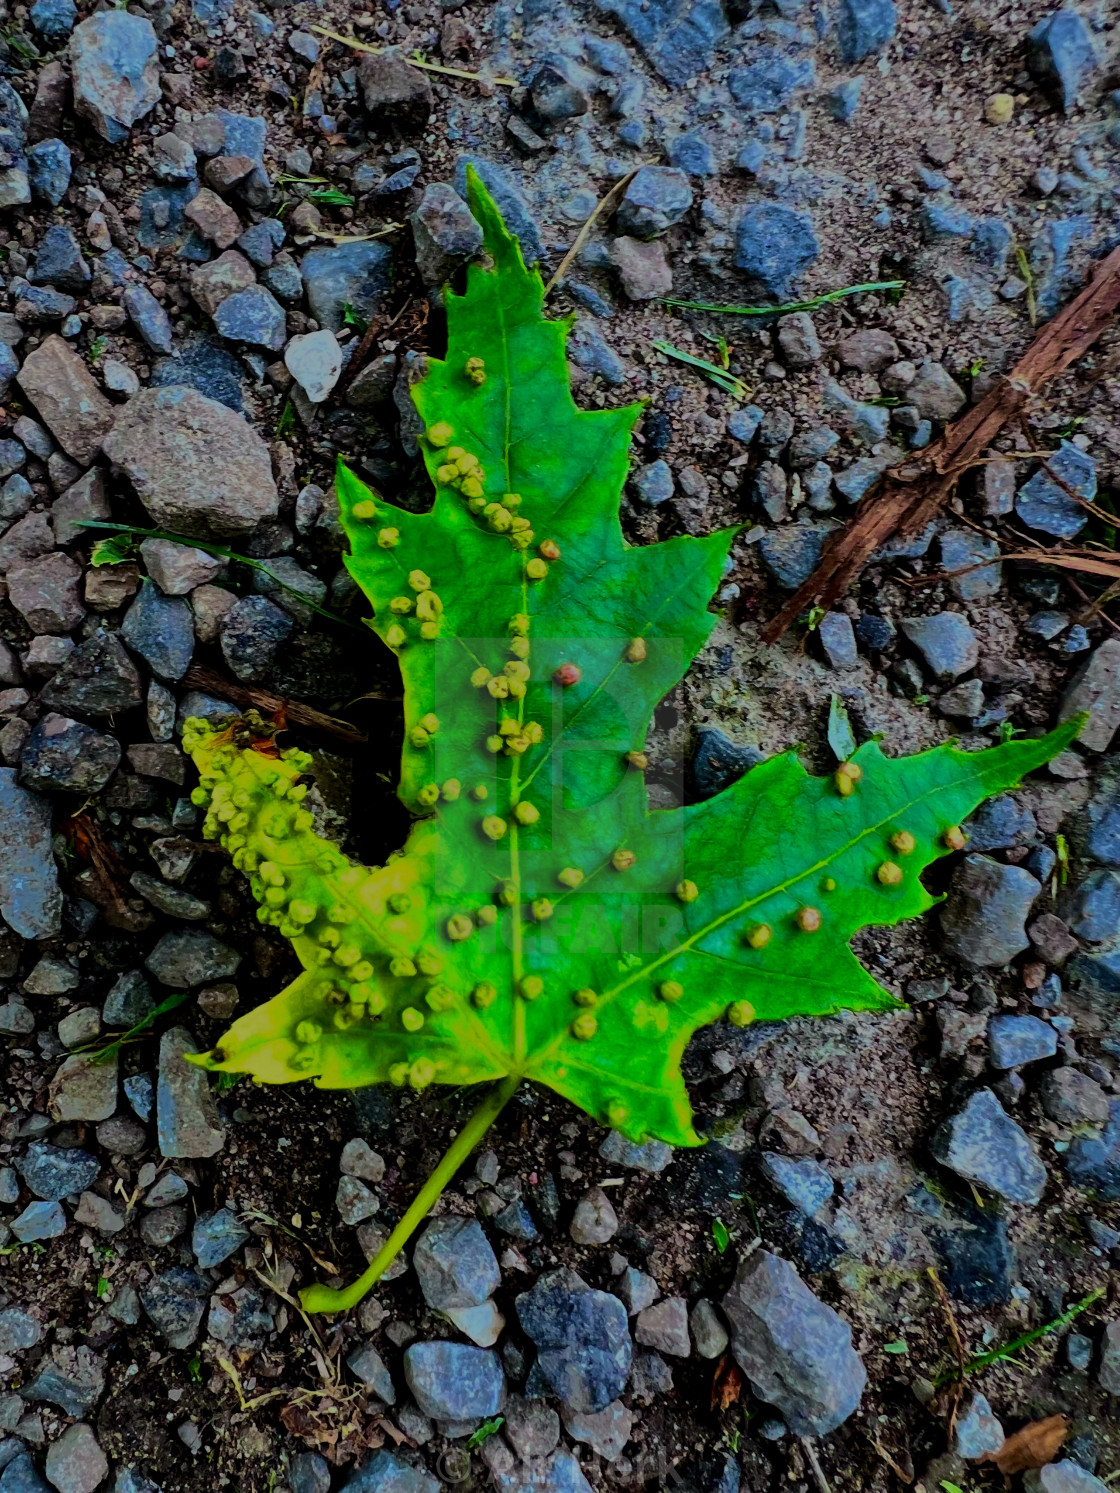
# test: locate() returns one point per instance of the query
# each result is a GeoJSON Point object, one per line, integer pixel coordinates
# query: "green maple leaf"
{"type": "Point", "coordinates": [540, 922]}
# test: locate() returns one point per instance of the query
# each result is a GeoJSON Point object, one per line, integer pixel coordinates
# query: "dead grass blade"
{"type": "Point", "coordinates": [911, 493]}
{"type": "Point", "coordinates": [604, 202]}
{"type": "Point", "coordinates": [428, 67]}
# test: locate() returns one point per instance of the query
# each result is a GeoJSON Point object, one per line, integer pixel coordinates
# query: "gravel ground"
{"type": "Point", "coordinates": [205, 209]}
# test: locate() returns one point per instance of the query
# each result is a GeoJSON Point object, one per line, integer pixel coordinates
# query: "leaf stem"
{"type": "Point", "coordinates": [320, 1298]}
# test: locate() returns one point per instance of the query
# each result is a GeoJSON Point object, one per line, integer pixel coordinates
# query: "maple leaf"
{"type": "Point", "coordinates": [540, 922]}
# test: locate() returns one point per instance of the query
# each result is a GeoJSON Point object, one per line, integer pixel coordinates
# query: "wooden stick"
{"type": "Point", "coordinates": [908, 495]}
{"type": "Point", "coordinates": [198, 676]}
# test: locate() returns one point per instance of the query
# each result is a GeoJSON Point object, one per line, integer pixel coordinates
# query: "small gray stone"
{"type": "Point", "coordinates": [983, 1144]}
{"type": "Point", "coordinates": [1061, 56]}
{"type": "Point", "coordinates": [964, 550]}
{"type": "Point", "coordinates": [39, 1221]}
{"type": "Point", "coordinates": [308, 1472]}
{"type": "Point", "coordinates": [444, 233]}
{"type": "Point", "coordinates": [454, 1382]}
{"type": "Point", "coordinates": [186, 1114]}
{"type": "Point", "coordinates": [46, 593]}
{"type": "Point", "coordinates": [709, 1335]}
{"type": "Point", "coordinates": [798, 342]}
{"type": "Point", "coordinates": [531, 1427]}
{"type": "Point", "coordinates": [315, 362]}
{"type": "Point", "coordinates": [455, 1264]}
{"type": "Point", "coordinates": [665, 1327]}
{"type": "Point", "coordinates": [656, 198]}
{"type": "Point", "coordinates": [653, 484]}
{"type": "Point", "coordinates": [978, 1432]}
{"type": "Point", "coordinates": [1014, 1040]}
{"type": "Point", "coordinates": [149, 318]}
{"type": "Point", "coordinates": [354, 1201]}
{"type": "Point", "coordinates": [54, 1172]}
{"type": "Point", "coordinates": [946, 642]}
{"type": "Point", "coordinates": [129, 1000]}
{"type": "Point", "coordinates": [115, 71]}
{"type": "Point", "coordinates": [161, 630]}
{"type": "Point", "coordinates": [1063, 1477]}
{"type": "Point", "coordinates": [18, 1330]}
{"type": "Point", "coordinates": [175, 1302]}
{"type": "Point", "coordinates": [984, 916]}
{"type": "Point", "coordinates": [838, 640]}
{"type": "Point", "coordinates": [934, 393]}
{"type": "Point", "coordinates": [367, 1365]}
{"type": "Point", "coordinates": [1045, 505]}
{"type": "Point", "coordinates": [1096, 689]}
{"type": "Point", "coordinates": [796, 1351]}
{"type": "Point", "coordinates": [253, 316]}
{"type": "Point", "coordinates": [216, 1236]}
{"type": "Point", "coordinates": [75, 1462]}
{"type": "Point", "coordinates": [1073, 1098]}
{"type": "Point", "coordinates": [606, 1432]}
{"type": "Point", "coordinates": [652, 1156]}
{"type": "Point", "coordinates": [582, 1337]}
{"type": "Point", "coordinates": [65, 756]}
{"type": "Point", "coordinates": [594, 1220]}
{"type": "Point", "coordinates": [84, 1088]}
{"type": "Point", "coordinates": [774, 246]}
{"type": "Point", "coordinates": [801, 1180]}
{"type": "Point", "coordinates": [30, 899]}
{"type": "Point", "coordinates": [384, 1472]}
{"type": "Point", "coordinates": [71, 1378]}
{"type": "Point", "coordinates": [253, 631]}
{"type": "Point", "coordinates": [346, 274]}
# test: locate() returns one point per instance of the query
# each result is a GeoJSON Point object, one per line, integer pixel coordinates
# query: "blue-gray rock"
{"type": "Point", "coordinates": [875, 632]}
{"type": "Point", "coordinates": [30, 899]}
{"type": "Point", "coordinates": [455, 1264]}
{"type": "Point", "coordinates": [367, 1365]}
{"type": "Point", "coordinates": [208, 367]}
{"type": "Point", "coordinates": [114, 69]}
{"type": "Point", "coordinates": [1060, 55]}
{"type": "Point", "coordinates": [582, 1339]}
{"type": "Point", "coordinates": [140, 1092]}
{"type": "Point", "coordinates": [1003, 823]}
{"type": "Point", "coordinates": [766, 83]}
{"type": "Point", "coordinates": [1014, 1040]}
{"type": "Point", "coordinates": [245, 135]}
{"type": "Point", "coordinates": [946, 643]}
{"type": "Point", "coordinates": [216, 1236]}
{"type": "Point", "coordinates": [516, 1221]}
{"type": "Point", "coordinates": [53, 19]}
{"type": "Point", "coordinates": [653, 484]}
{"type": "Point", "coordinates": [129, 1000]}
{"type": "Point", "coordinates": [20, 1474]}
{"type": "Point", "coordinates": [128, 1481]}
{"type": "Point", "coordinates": [855, 481]}
{"type": "Point", "coordinates": [253, 631]}
{"type": "Point", "coordinates": [984, 1145]}
{"type": "Point", "coordinates": [1093, 1161]}
{"type": "Point", "coordinates": [984, 916]}
{"type": "Point", "coordinates": [1066, 1476]}
{"type": "Point", "coordinates": [308, 1472]}
{"type": "Point", "coordinates": [190, 957]}
{"type": "Point", "coordinates": [1042, 504]}
{"type": "Point", "coordinates": [357, 275]}
{"type": "Point", "coordinates": [444, 232]}
{"type": "Point", "coordinates": [254, 315]}
{"type": "Point", "coordinates": [55, 1172]}
{"type": "Point", "coordinates": [1096, 907]}
{"type": "Point", "coordinates": [693, 153]}
{"type": "Point", "coordinates": [863, 27]}
{"type": "Point", "coordinates": [774, 246]}
{"type": "Point", "coordinates": [48, 170]}
{"type": "Point", "coordinates": [801, 1180]}
{"type": "Point", "coordinates": [1055, 277]}
{"type": "Point", "coordinates": [651, 1156]}
{"type": "Point", "coordinates": [67, 756]}
{"type": "Point", "coordinates": [838, 640]}
{"type": "Point", "coordinates": [454, 1382]}
{"type": "Point", "coordinates": [160, 629]}
{"type": "Point", "coordinates": [149, 318]}
{"type": "Point", "coordinates": [163, 224]}
{"type": "Point", "coordinates": [260, 242]}
{"type": "Point", "coordinates": [60, 263]}
{"type": "Point", "coordinates": [1046, 625]}
{"type": "Point", "coordinates": [98, 679]}
{"type": "Point", "coordinates": [1071, 1097]}
{"type": "Point", "coordinates": [71, 1378]}
{"type": "Point", "coordinates": [717, 761]}
{"type": "Point", "coordinates": [742, 424]}
{"type": "Point", "coordinates": [963, 549]}
{"type": "Point", "coordinates": [679, 37]}
{"type": "Point", "coordinates": [978, 1432]}
{"type": "Point", "coordinates": [386, 1472]}
{"type": "Point", "coordinates": [978, 1258]}
{"type": "Point", "coordinates": [793, 552]}
{"type": "Point", "coordinates": [796, 1351]}
{"type": "Point", "coordinates": [9, 366]}
{"type": "Point", "coordinates": [39, 1221]}
{"type": "Point", "coordinates": [187, 1120]}
{"type": "Point", "coordinates": [18, 1330]}
{"type": "Point", "coordinates": [175, 1301]}
{"type": "Point", "coordinates": [284, 279]}
{"type": "Point", "coordinates": [991, 242]}
{"type": "Point", "coordinates": [658, 197]}
{"type": "Point", "coordinates": [940, 220]}
{"type": "Point", "coordinates": [40, 303]}
{"type": "Point", "coordinates": [587, 350]}
{"type": "Point", "coordinates": [843, 100]}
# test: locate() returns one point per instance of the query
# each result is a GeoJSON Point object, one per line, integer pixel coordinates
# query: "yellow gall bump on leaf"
{"type": "Point", "coordinates": [400, 902]}
{"type": "Point", "coordinates": [617, 1112]}
{"type": "Point", "coordinates": [511, 499]}
{"type": "Point", "coordinates": [955, 837]}
{"type": "Point", "coordinates": [471, 487]}
{"type": "Point", "coordinates": [389, 538]}
{"type": "Point", "coordinates": [498, 687]}
{"type": "Point", "coordinates": [520, 623]}
{"type": "Point", "coordinates": [419, 581]}
{"type": "Point", "coordinates": [476, 370]}
{"type": "Point", "coordinates": [480, 677]}
{"type": "Point", "coordinates": [523, 540]}
{"type": "Point", "coordinates": [440, 998]}
{"type": "Point", "coordinates": [536, 570]}
{"type": "Point", "coordinates": [398, 1075]}
{"type": "Point", "coordinates": [302, 912]}
{"type": "Point", "coordinates": [447, 474]}
{"type": "Point", "coordinates": [494, 744]}
{"type": "Point", "coordinates": [584, 1027]}
{"type": "Point", "coordinates": [428, 796]}
{"type": "Point", "coordinates": [740, 1013]}
{"type": "Point", "coordinates": [348, 1016]}
{"type": "Point", "coordinates": [396, 637]}
{"type": "Point", "coordinates": [308, 1031]}
{"type": "Point", "coordinates": [484, 994]}
{"type": "Point", "coordinates": [429, 963]}
{"type": "Point", "coordinates": [637, 760]}
{"type": "Point", "coordinates": [429, 630]}
{"type": "Point", "coordinates": [421, 1073]}
{"type": "Point", "coordinates": [534, 731]}
{"type": "Point", "coordinates": [467, 463]}
{"type": "Point", "coordinates": [585, 997]}
{"type": "Point", "coordinates": [412, 1019]}
{"type": "Point", "coordinates": [808, 919]}
{"type": "Point", "coordinates": [548, 549]}
{"type": "Point", "coordinates": [570, 876]}
{"type": "Point", "coordinates": [486, 916]}
{"type": "Point", "coordinates": [493, 827]}
{"type": "Point", "coordinates": [526, 813]}
{"type": "Point", "coordinates": [476, 505]}
{"type": "Point", "coordinates": [459, 927]}
{"type": "Point", "coordinates": [845, 784]}
{"type": "Point", "coordinates": [451, 790]}
{"type": "Point", "coordinates": [904, 842]}
{"type": "Point", "coordinates": [517, 746]}
{"type": "Point", "coordinates": [531, 987]}
{"type": "Point", "coordinates": [455, 453]}
{"type": "Point", "coordinates": [686, 891]}
{"type": "Point", "coordinates": [517, 689]}
{"type": "Point", "coordinates": [419, 738]}
{"type": "Point", "coordinates": [401, 606]}
{"type": "Point", "coordinates": [509, 725]}
{"type": "Point", "coordinates": [430, 722]}
{"type": "Point", "coordinates": [670, 990]}
{"type": "Point", "coordinates": [889, 874]}
{"type": "Point", "coordinates": [402, 968]}
{"type": "Point", "coordinates": [480, 792]}
{"type": "Point", "coordinates": [365, 510]}
{"type": "Point", "coordinates": [622, 860]}
{"type": "Point", "coordinates": [516, 668]}
{"type": "Point", "coordinates": [760, 935]}
{"type": "Point", "coordinates": [519, 647]}
{"type": "Point", "coordinates": [542, 909]}
{"type": "Point", "coordinates": [428, 606]}
{"type": "Point", "coordinates": [440, 434]}
{"type": "Point", "coordinates": [828, 884]}
{"type": "Point", "coordinates": [635, 651]}
{"type": "Point", "coordinates": [507, 894]}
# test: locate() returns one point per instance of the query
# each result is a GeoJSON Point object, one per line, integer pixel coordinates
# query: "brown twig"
{"type": "Point", "coordinates": [911, 493]}
{"type": "Point", "coordinates": [584, 234]}
{"type": "Point", "coordinates": [198, 676]}
{"type": "Point", "coordinates": [958, 1345]}
{"type": "Point", "coordinates": [814, 1464]}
